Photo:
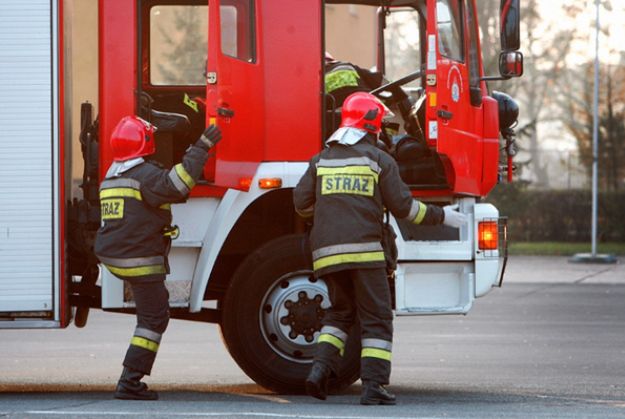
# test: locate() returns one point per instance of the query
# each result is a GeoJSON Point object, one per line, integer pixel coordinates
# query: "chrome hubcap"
{"type": "Point", "coordinates": [291, 313]}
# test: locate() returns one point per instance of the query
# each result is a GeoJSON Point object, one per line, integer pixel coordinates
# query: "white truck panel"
{"type": "Point", "coordinates": [229, 211]}
{"type": "Point", "coordinates": [29, 155]}
{"type": "Point", "coordinates": [434, 288]}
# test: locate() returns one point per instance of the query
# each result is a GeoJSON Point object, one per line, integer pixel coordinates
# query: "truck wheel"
{"type": "Point", "coordinates": [272, 316]}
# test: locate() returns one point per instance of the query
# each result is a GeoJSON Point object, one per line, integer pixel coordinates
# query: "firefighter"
{"type": "Point", "coordinates": [341, 80]}
{"type": "Point", "coordinates": [136, 232]}
{"type": "Point", "coordinates": [346, 188]}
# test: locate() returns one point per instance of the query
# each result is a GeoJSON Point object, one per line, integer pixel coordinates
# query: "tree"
{"type": "Point", "coordinates": [576, 102]}
{"type": "Point", "coordinates": [612, 132]}
{"type": "Point", "coordinates": [184, 45]}
{"type": "Point", "coordinates": [578, 120]}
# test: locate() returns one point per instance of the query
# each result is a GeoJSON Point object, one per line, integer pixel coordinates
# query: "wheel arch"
{"type": "Point", "coordinates": [243, 222]}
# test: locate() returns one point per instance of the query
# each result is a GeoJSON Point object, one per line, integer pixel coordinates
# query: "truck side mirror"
{"type": "Point", "coordinates": [511, 64]}
{"type": "Point", "coordinates": [510, 18]}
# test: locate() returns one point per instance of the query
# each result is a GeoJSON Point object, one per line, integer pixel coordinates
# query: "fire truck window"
{"type": "Point", "coordinates": [402, 45]}
{"type": "Point", "coordinates": [178, 45]}
{"type": "Point", "coordinates": [449, 23]}
{"type": "Point", "coordinates": [344, 20]}
{"type": "Point", "coordinates": [237, 29]}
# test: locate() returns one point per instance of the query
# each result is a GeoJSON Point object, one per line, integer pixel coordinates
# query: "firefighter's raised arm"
{"type": "Point", "coordinates": [175, 185]}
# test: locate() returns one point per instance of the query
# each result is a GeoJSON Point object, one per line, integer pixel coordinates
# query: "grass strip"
{"type": "Point", "coordinates": [563, 248]}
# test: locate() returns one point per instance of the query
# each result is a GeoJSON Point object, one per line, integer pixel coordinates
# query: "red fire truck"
{"type": "Point", "coordinates": [256, 68]}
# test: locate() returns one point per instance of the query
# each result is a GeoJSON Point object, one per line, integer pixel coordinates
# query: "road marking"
{"type": "Point", "coordinates": [592, 275]}
{"type": "Point", "coordinates": [613, 403]}
{"type": "Point", "coordinates": [210, 414]}
{"type": "Point", "coordinates": [268, 398]}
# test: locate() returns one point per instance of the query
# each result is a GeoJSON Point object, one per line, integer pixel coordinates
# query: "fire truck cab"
{"type": "Point", "coordinates": [256, 69]}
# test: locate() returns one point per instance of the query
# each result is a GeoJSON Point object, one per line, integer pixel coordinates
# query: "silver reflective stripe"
{"type": "Point", "coordinates": [119, 167]}
{"type": "Point", "coordinates": [414, 211]}
{"type": "Point", "coordinates": [178, 183]}
{"type": "Point", "coordinates": [339, 249]}
{"type": "Point", "coordinates": [351, 161]}
{"type": "Point", "coordinates": [334, 331]}
{"type": "Point", "coordinates": [132, 262]}
{"type": "Point", "coordinates": [378, 344]}
{"type": "Point", "coordinates": [120, 183]}
{"type": "Point", "coordinates": [344, 67]}
{"type": "Point", "coordinates": [148, 334]}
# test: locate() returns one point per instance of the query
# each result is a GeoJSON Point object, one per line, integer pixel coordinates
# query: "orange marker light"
{"type": "Point", "coordinates": [488, 235]}
{"type": "Point", "coordinates": [245, 182]}
{"type": "Point", "coordinates": [270, 183]}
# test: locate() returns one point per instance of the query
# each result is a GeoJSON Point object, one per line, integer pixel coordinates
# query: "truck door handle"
{"type": "Point", "coordinates": [445, 114]}
{"type": "Point", "coordinates": [226, 113]}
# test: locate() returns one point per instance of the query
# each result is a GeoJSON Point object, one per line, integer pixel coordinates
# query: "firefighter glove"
{"type": "Point", "coordinates": [209, 138]}
{"type": "Point", "coordinates": [453, 218]}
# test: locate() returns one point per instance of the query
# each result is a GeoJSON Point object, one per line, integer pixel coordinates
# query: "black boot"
{"type": "Point", "coordinates": [317, 381]}
{"type": "Point", "coordinates": [130, 387]}
{"type": "Point", "coordinates": [374, 393]}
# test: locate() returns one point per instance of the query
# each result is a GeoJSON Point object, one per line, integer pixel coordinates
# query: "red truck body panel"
{"type": "Point", "coordinates": [275, 96]}
{"type": "Point", "coordinates": [269, 105]}
{"type": "Point", "coordinates": [118, 69]}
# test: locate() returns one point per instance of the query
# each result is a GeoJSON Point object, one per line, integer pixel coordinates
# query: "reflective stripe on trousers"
{"type": "Point", "coordinates": [347, 253]}
{"type": "Point", "coordinates": [333, 336]}
{"type": "Point", "coordinates": [376, 348]}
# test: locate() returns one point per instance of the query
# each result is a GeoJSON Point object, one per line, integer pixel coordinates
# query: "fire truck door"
{"type": "Point", "coordinates": [264, 84]}
{"type": "Point", "coordinates": [234, 91]}
{"type": "Point", "coordinates": [459, 120]}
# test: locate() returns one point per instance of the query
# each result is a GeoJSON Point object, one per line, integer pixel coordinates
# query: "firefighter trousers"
{"type": "Point", "coordinates": [364, 293]}
{"type": "Point", "coordinates": [152, 305]}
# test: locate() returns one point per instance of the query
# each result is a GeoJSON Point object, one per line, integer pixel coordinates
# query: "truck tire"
{"type": "Point", "coordinates": [272, 315]}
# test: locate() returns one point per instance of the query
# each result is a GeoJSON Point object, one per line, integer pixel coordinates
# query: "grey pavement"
{"type": "Point", "coordinates": [550, 343]}
{"type": "Point", "coordinates": [557, 269]}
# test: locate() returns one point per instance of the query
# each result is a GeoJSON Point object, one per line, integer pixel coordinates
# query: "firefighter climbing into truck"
{"type": "Point", "coordinates": [255, 69]}
{"type": "Point", "coordinates": [136, 232]}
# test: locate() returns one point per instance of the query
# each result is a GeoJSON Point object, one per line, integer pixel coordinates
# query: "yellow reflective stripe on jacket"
{"type": "Point", "coordinates": [137, 271]}
{"type": "Point", "coordinates": [341, 249]}
{"type": "Point", "coordinates": [347, 170]}
{"type": "Point", "coordinates": [166, 207]}
{"type": "Point", "coordinates": [332, 340]}
{"type": "Point", "coordinates": [421, 213]}
{"type": "Point", "coordinates": [120, 193]}
{"type": "Point", "coordinates": [144, 343]}
{"type": "Point", "coordinates": [375, 353]}
{"type": "Point", "coordinates": [324, 262]}
{"type": "Point", "coordinates": [350, 161]}
{"type": "Point", "coordinates": [184, 175]}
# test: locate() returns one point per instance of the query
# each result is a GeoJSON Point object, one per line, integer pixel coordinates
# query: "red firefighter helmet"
{"type": "Point", "coordinates": [132, 137]}
{"type": "Point", "coordinates": [364, 111]}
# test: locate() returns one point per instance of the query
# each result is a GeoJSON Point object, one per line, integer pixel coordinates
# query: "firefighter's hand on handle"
{"type": "Point", "coordinates": [210, 137]}
{"type": "Point", "coordinates": [453, 218]}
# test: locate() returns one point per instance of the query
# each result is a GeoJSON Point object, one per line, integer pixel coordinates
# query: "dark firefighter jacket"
{"type": "Point", "coordinates": [134, 238]}
{"type": "Point", "coordinates": [347, 188]}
